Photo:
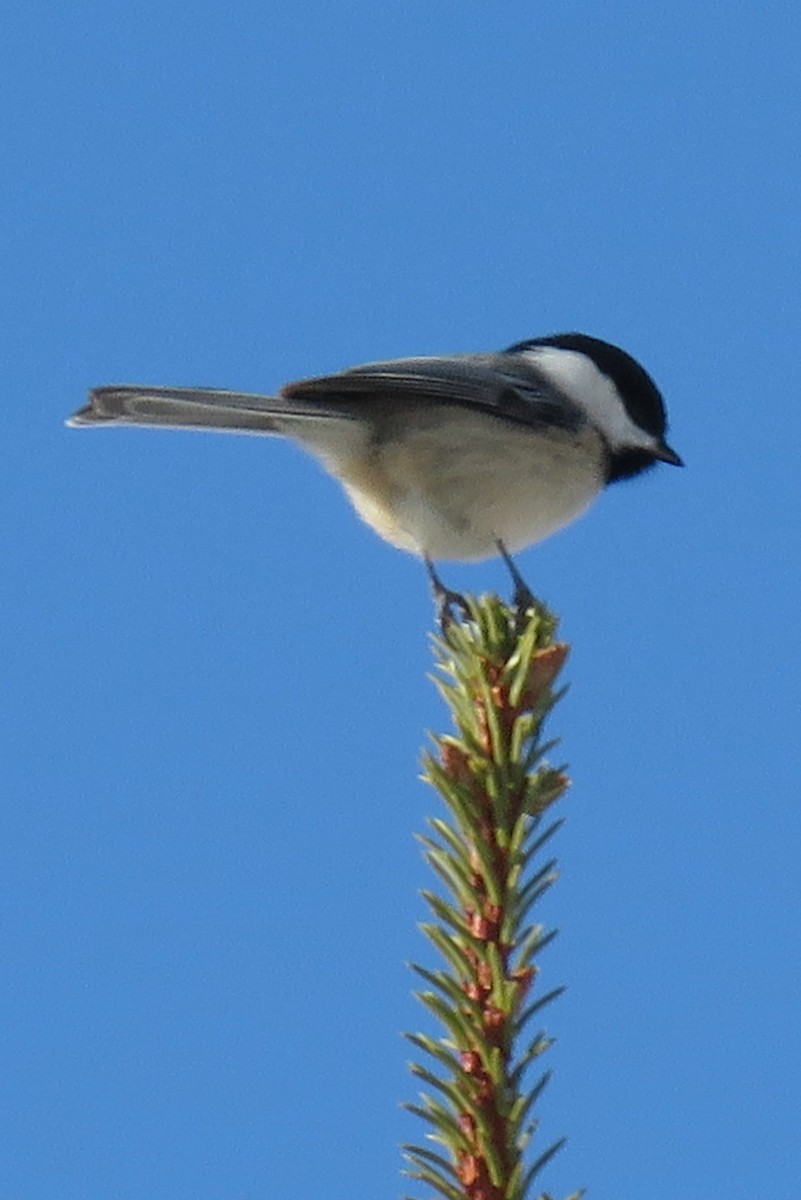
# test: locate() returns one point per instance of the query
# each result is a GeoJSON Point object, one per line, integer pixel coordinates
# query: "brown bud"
{"type": "Point", "coordinates": [484, 975]}
{"type": "Point", "coordinates": [493, 1017]}
{"type": "Point", "coordinates": [479, 926]}
{"type": "Point", "coordinates": [467, 1169]}
{"type": "Point", "coordinates": [455, 762]}
{"type": "Point", "coordinates": [524, 978]}
{"type": "Point", "coordinates": [543, 670]}
{"type": "Point", "coordinates": [470, 1060]}
{"type": "Point", "coordinates": [467, 1125]}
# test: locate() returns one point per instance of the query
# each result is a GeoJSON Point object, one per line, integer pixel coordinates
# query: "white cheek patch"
{"type": "Point", "coordinates": [578, 376]}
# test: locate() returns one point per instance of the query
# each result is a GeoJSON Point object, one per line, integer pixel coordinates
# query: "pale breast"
{"type": "Point", "coordinates": [459, 480]}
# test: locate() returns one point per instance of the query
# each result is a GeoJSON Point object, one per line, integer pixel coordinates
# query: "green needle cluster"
{"type": "Point", "coordinates": [497, 669]}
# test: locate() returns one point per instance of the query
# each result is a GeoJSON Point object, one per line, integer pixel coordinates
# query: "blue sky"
{"type": "Point", "coordinates": [214, 677]}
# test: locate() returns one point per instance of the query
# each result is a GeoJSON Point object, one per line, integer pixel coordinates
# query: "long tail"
{"type": "Point", "coordinates": [195, 408]}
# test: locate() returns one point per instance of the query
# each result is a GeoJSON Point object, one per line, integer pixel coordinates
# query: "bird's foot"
{"type": "Point", "coordinates": [523, 598]}
{"type": "Point", "coordinates": [445, 599]}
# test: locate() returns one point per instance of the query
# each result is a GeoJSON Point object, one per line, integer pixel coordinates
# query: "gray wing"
{"type": "Point", "coordinates": [497, 384]}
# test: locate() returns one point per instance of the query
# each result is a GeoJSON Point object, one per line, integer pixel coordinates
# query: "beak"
{"type": "Point", "coordinates": [664, 453]}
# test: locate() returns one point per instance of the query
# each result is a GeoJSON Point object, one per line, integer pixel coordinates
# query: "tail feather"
{"type": "Point", "coordinates": [195, 408]}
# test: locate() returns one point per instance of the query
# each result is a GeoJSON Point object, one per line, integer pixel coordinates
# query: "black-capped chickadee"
{"type": "Point", "coordinates": [459, 457]}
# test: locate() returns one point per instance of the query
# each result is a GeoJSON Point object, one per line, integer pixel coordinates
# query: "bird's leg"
{"type": "Point", "coordinates": [444, 597]}
{"type": "Point", "coordinates": [522, 597]}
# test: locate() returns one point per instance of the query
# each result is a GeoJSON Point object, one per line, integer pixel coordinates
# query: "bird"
{"type": "Point", "coordinates": [454, 457]}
